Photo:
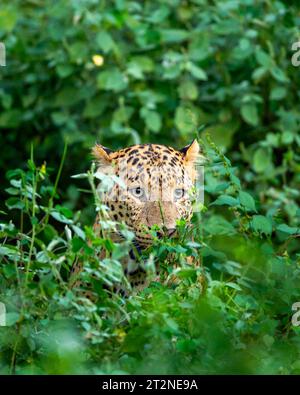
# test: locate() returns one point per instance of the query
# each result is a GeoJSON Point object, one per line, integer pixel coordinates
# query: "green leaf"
{"type": "Point", "coordinates": [188, 90]}
{"type": "Point", "coordinates": [112, 80]}
{"type": "Point", "coordinates": [79, 232]}
{"type": "Point", "coordinates": [288, 229]}
{"type": "Point", "coordinates": [224, 200]}
{"type": "Point", "coordinates": [77, 244]}
{"type": "Point", "coordinates": [105, 41]}
{"type": "Point", "coordinates": [196, 71]}
{"type": "Point", "coordinates": [264, 59]}
{"type": "Point", "coordinates": [94, 107]}
{"type": "Point", "coordinates": [123, 114]}
{"type": "Point", "coordinates": [78, 52]}
{"type": "Point", "coordinates": [9, 270]}
{"type": "Point", "coordinates": [173, 35]}
{"type": "Point", "coordinates": [222, 133]}
{"type": "Point", "coordinates": [262, 224]}
{"type": "Point", "coordinates": [11, 252]}
{"type": "Point", "coordinates": [278, 93]}
{"type": "Point", "coordinates": [11, 118]}
{"type": "Point", "coordinates": [8, 18]}
{"type": "Point", "coordinates": [185, 119]}
{"type": "Point", "coordinates": [279, 74]}
{"type": "Point", "coordinates": [232, 285]}
{"type": "Point", "coordinates": [268, 340]}
{"type": "Point", "coordinates": [249, 113]}
{"type": "Point", "coordinates": [152, 119]}
{"type": "Point", "coordinates": [262, 160]}
{"type": "Point", "coordinates": [217, 225]}
{"type": "Point", "coordinates": [139, 65]}
{"type": "Point", "coordinates": [259, 74]}
{"type": "Point", "coordinates": [67, 97]}
{"type": "Point", "coordinates": [12, 318]}
{"type": "Point", "coordinates": [60, 217]}
{"type": "Point", "coordinates": [247, 201]}
{"type": "Point", "coordinates": [14, 203]}
{"type": "Point", "coordinates": [64, 70]}
{"type": "Point", "coordinates": [287, 137]}
{"type": "Point", "coordinates": [12, 191]}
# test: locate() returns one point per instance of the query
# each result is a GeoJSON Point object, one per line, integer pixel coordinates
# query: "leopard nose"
{"type": "Point", "coordinates": [170, 232]}
{"type": "Point", "coordinates": [166, 232]}
{"type": "Point", "coordinates": [160, 235]}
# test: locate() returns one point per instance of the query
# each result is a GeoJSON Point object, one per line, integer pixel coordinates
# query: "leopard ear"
{"type": "Point", "coordinates": [191, 152]}
{"type": "Point", "coordinates": [102, 154]}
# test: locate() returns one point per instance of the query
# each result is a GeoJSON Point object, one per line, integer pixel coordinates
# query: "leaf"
{"type": "Point", "coordinates": [60, 217]}
{"type": "Point", "coordinates": [264, 59]}
{"type": "Point", "coordinates": [262, 224]}
{"type": "Point", "coordinates": [233, 285]}
{"type": "Point", "coordinates": [259, 74]}
{"type": "Point", "coordinates": [11, 118]}
{"type": "Point", "coordinates": [64, 70]}
{"type": "Point", "coordinates": [112, 80]}
{"type": "Point", "coordinates": [171, 324]}
{"type": "Point", "coordinates": [139, 65]}
{"type": "Point", "coordinates": [12, 191]}
{"type": "Point", "coordinates": [123, 114]}
{"type": "Point", "coordinates": [77, 244]}
{"type": "Point", "coordinates": [268, 340]}
{"type": "Point", "coordinates": [8, 18]}
{"type": "Point", "coordinates": [173, 35]}
{"type": "Point", "coordinates": [78, 52]}
{"type": "Point", "coordinates": [249, 113]}
{"type": "Point", "coordinates": [287, 137]}
{"type": "Point", "coordinates": [247, 201]}
{"type": "Point", "coordinates": [185, 119]}
{"type": "Point", "coordinates": [152, 119]}
{"type": "Point", "coordinates": [225, 200]}
{"type": "Point", "coordinates": [217, 225]}
{"type": "Point", "coordinates": [278, 93]}
{"type": "Point", "coordinates": [159, 14]}
{"type": "Point", "coordinates": [199, 47]}
{"type": "Point", "coordinates": [262, 160]}
{"type": "Point", "coordinates": [11, 252]}
{"type": "Point", "coordinates": [222, 133]}
{"type": "Point", "coordinates": [67, 97]}
{"type": "Point", "coordinates": [14, 203]}
{"type": "Point", "coordinates": [288, 229]}
{"type": "Point", "coordinates": [188, 90]}
{"type": "Point", "coordinates": [196, 71]}
{"type": "Point", "coordinates": [94, 107]}
{"type": "Point", "coordinates": [80, 233]}
{"type": "Point", "coordinates": [279, 74]}
{"type": "Point", "coordinates": [12, 318]}
{"type": "Point", "coordinates": [105, 41]}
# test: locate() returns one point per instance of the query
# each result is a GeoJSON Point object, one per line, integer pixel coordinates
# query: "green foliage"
{"type": "Point", "coordinates": [166, 67]}
{"type": "Point", "coordinates": [240, 322]}
{"type": "Point", "coordinates": [123, 72]}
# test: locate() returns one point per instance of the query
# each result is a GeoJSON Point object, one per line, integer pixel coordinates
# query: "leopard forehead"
{"type": "Point", "coordinates": [150, 163]}
{"type": "Point", "coordinates": [152, 154]}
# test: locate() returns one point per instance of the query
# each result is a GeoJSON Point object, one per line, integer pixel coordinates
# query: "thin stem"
{"type": "Point", "coordinates": [50, 205]}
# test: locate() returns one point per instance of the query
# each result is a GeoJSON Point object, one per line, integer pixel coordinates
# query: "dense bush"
{"type": "Point", "coordinates": [124, 72]}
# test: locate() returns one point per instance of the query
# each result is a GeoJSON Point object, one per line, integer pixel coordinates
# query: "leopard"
{"type": "Point", "coordinates": [156, 191]}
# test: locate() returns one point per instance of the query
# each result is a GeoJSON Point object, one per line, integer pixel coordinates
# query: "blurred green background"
{"type": "Point", "coordinates": [124, 72]}
{"type": "Point", "coordinates": [162, 69]}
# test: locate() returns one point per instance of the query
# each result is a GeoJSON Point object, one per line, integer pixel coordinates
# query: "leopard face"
{"type": "Point", "coordinates": [155, 188]}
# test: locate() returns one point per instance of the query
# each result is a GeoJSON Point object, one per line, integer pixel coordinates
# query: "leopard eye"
{"type": "Point", "coordinates": [179, 193]}
{"type": "Point", "coordinates": [138, 192]}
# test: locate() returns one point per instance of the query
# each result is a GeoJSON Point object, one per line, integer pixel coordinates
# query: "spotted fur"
{"type": "Point", "coordinates": [158, 180]}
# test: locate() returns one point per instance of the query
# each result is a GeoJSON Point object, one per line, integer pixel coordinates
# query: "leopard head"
{"type": "Point", "coordinates": [156, 186]}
